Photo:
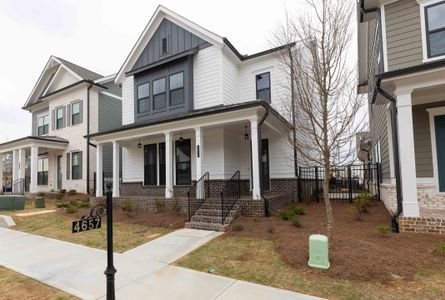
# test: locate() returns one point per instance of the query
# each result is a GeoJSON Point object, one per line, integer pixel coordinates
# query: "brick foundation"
{"type": "Point", "coordinates": [422, 225]}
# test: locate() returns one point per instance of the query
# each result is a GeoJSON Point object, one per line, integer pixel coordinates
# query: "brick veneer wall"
{"type": "Point", "coordinates": [424, 225]}
{"type": "Point", "coordinates": [287, 186]}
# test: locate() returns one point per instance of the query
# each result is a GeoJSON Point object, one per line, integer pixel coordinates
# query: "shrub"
{"type": "Point", "coordinates": [270, 229]}
{"type": "Point", "coordinates": [160, 205]}
{"type": "Point", "coordinates": [71, 192]}
{"type": "Point", "coordinates": [383, 229]}
{"type": "Point", "coordinates": [83, 204]}
{"type": "Point", "coordinates": [237, 227]}
{"type": "Point", "coordinates": [58, 196]}
{"type": "Point", "coordinates": [440, 249]}
{"type": "Point", "coordinates": [73, 203]}
{"type": "Point", "coordinates": [297, 210]}
{"type": "Point", "coordinates": [62, 191]}
{"type": "Point", "coordinates": [354, 212]}
{"type": "Point", "coordinates": [175, 206]}
{"type": "Point", "coordinates": [62, 204]}
{"type": "Point", "coordinates": [296, 221]}
{"type": "Point", "coordinates": [71, 210]}
{"type": "Point", "coordinates": [362, 202]}
{"type": "Point", "coordinates": [285, 215]}
{"type": "Point", "coordinates": [128, 205]}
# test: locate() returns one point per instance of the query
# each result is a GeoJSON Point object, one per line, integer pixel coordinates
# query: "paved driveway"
{"type": "Point", "coordinates": [142, 273]}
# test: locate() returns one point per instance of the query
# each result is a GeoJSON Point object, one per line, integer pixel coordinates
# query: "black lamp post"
{"type": "Point", "coordinates": [110, 270]}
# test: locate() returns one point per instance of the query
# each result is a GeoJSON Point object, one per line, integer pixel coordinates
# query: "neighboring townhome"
{"type": "Point", "coordinates": [67, 103]}
{"type": "Point", "coordinates": [196, 110]}
{"type": "Point", "coordinates": [402, 68]}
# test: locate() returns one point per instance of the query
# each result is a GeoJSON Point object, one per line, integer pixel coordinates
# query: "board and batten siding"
{"type": "Point", "coordinates": [403, 34]}
{"type": "Point", "coordinates": [128, 100]}
{"type": "Point", "coordinates": [207, 78]}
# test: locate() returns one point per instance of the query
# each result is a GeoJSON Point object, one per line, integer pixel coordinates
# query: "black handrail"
{"type": "Point", "coordinates": [230, 194]}
{"type": "Point", "coordinates": [203, 192]}
{"type": "Point", "coordinates": [18, 186]}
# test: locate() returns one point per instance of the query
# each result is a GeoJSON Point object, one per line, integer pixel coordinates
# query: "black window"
{"type": "Point", "coordinates": [162, 163]}
{"type": "Point", "coordinates": [42, 125]}
{"type": "Point", "coordinates": [177, 88]}
{"type": "Point", "coordinates": [183, 162]}
{"type": "Point", "coordinates": [164, 46]}
{"type": "Point", "coordinates": [435, 29]}
{"type": "Point", "coordinates": [263, 86]}
{"type": "Point", "coordinates": [60, 117]}
{"type": "Point", "coordinates": [144, 97]}
{"type": "Point", "coordinates": [76, 165]}
{"type": "Point", "coordinates": [75, 116]}
{"type": "Point", "coordinates": [42, 171]}
{"type": "Point", "coordinates": [159, 94]}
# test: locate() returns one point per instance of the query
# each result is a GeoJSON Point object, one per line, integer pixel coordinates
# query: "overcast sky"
{"type": "Point", "coordinates": [99, 34]}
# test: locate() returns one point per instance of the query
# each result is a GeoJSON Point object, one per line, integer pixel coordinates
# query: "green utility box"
{"type": "Point", "coordinates": [319, 252]}
{"type": "Point", "coordinates": [39, 202]}
{"type": "Point", "coordinates": [12, 202]}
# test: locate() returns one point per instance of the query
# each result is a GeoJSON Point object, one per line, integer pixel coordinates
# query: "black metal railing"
{"type": "Point", "coordinates": [230, 194]}
{"type": "Point", "coordinates": [18, 186]}
{"type": "Point", "coordinates": [346, 183]}
{"type": "Point", "coordinates": [198, 194]}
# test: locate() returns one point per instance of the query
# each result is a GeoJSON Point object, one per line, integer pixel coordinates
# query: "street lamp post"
{"type": "Point", "coordinates": [110, 270]}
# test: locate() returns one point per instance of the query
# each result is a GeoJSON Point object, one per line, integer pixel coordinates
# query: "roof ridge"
{"type": "Point", "coordinates": [79, 70]}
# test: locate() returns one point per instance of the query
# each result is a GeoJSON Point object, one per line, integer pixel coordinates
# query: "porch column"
{"type": "Point", "coordinates": [22, 163]}
{"type": "Point", "coordinates": [1, 172]}
{"type": "Point", "coordinates": [15, 165]}
{"type": "Point", "coordinates": [168, 165]}
{"type": "Point", "coordinates": [200, 189]}
{"type": "Point", "coordinates": [116, 192]}
{"type": "Point", "coordinates": [406, 153]}
{"type": "Point", "coordinates": [34, 161]}
{"type": "Point", "coordinates": [99, 171]}
{"type": "Point", "coordinates": [255, 160]}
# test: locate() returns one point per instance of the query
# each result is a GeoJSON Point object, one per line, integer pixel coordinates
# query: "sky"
{"type": "Point", "coordinates": [99, 34]}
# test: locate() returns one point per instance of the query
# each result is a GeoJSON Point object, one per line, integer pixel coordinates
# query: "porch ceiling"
{"type": "Point", "coordinates": [47, 142]}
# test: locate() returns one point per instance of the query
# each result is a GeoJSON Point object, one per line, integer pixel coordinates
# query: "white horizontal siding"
{"type": "Point", "coordinates": [128, 100]}
{"type": "Point", "coordinates": [230, 79]}
{"type": "Point", "coordinates": [281, 162]}
{"type": "Point", "coordinates": [207, 79]}
{"type": "Point", "coordinates": [213, 153]}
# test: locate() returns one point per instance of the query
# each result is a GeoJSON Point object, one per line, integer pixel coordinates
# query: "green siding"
{"type": "Point", "coordinates": [379, 132]}
{"type": "Point", "coordinates": [113, 88]}
{"type": "Point", "coordinates": [110, 113]}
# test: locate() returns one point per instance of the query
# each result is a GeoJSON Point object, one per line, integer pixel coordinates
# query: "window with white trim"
{"type": "Point", "coordinates": [377, 153]}
{"type": "Point", "coordinates": [76, 165]}
{"type": "Point", "coordinates": [60, 114]}
{"type": "Point", "coordinates": [42, 124]}
{"type": "Point", "coordinates": [435, 29]}
{"type": "Point", "coordinates": [42, 171]}
{"type": "Point", "coordinates": [75, 113]}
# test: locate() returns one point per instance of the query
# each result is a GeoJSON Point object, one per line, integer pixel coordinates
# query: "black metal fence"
{"type": "Point", "coordinates": [198, 194]}
{"type": "Point", "coordinates": [346, 183]}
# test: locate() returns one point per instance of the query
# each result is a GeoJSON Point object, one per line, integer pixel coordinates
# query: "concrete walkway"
{"type": "Point", "coordinates": [142, 273]}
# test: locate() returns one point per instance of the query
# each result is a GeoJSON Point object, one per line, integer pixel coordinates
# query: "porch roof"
{"type": "Point", "coordinates": [199, 113]}
{"type": "Point", "coordinates": [52, 142]}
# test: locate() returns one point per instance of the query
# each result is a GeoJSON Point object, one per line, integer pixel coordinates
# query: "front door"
{"type": "Point", "coordinates": [439, 122]}
{"type": "Point", "coordinates": [183, 162]}
{"type": "Point", "coordinates": [265, 164]}
{"type": "Point", "coordinates": [150, 162]}
{"type": "Point", "coordinates": [59, 172]}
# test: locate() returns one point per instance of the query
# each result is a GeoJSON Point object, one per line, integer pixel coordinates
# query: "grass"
{"type": "Point", "coordinates": [16, 286]}
{"type": "Point", "coordinates": [58, 226]}
{"type": "Point", "coordinates": [256, 260]}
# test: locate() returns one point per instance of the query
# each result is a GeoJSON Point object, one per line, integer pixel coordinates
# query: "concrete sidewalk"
{"type": "Point", "coordinates": [142, 273]}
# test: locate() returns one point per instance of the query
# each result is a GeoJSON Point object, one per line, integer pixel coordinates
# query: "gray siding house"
{"type": "Point", "coordinates": [401, 52]}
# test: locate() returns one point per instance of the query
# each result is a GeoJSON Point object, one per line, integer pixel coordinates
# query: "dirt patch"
{"type": "Point", "coordinates": [358, 251]}
{"type": "Point", "coordinates": [167, 219]}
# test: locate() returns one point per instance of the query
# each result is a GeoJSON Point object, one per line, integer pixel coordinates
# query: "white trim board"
{"type": "Point", "coordinates": [110, 95]}
{"type": "Point", "coordinates": [437, 111]}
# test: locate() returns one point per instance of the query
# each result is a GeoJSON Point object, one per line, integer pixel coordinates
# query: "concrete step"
{"type": "Point", "coordinates": [206, 226]}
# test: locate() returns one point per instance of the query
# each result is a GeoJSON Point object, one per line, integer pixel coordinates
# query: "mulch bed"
{"type": "Point", "coordinates": [357, 251]}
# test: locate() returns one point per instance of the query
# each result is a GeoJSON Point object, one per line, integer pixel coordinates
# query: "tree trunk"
{"type": "Point", "coordinates": [327, 201]}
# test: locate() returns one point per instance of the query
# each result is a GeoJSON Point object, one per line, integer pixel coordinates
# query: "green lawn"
{"type": "Point", "coordinates": [256, 260]}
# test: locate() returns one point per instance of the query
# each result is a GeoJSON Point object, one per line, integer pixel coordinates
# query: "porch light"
{"type": "Point", "coordinates": [139, 145]}
{"type": "Point", "coordinates": [181, 138]}
{"type": "Point", "coordinates": [246, 134]}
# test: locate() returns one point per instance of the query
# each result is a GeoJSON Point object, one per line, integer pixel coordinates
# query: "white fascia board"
{"type": "Point", "coordinates": [105, 79]}
{"type": "Point", "coordinates": [52, 80]}
{"type": "Point", "coordinates": [111, 95]}
{"type": "Point", "coordinates": [160, 13]}
{"type": "Point", "coordinates": [68, 69]}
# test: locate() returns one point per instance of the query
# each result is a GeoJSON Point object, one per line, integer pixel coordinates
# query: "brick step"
{"type": "Point", "coordinates": [206, 226]}
{"type": "Point", "coordinates": [212, 219]}
{"type": "Point", "coordinates": [206, 205]}
{"type": "Point", "coordinates": [215, 212]}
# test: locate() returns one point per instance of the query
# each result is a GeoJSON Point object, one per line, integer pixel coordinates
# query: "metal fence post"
{"type": "Point", "coordinates": [350, 184]}
{"type": "Point", "coordinates": [317, 188]}
{"type": "Point", "coordinates": [378, 179]}
{"type": "Point", "coordinates": [299, 194]}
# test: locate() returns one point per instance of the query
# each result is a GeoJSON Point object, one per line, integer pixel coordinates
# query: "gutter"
{"type": "Point", "coordinates": [88, 138]}
{"type": "Point", "coordinates": [395, 138]}
{"type": "Point", "coordinates": [260, 151]}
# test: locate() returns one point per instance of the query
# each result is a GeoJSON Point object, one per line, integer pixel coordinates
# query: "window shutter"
{"type": "Point", "coordinates": [81, 111]}
{"type": "Point", "coordinates": [68, 171]}
{"type": "Point", "coordinates": [68, 115]}
{"type": "Point", "coordinates": [80, 164]}
{"type": "Point", "coordinates": [53, 120]}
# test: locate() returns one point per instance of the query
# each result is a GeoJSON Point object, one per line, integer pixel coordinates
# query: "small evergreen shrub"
{"type": "Point", "coordinates": [71, 192]}
{"type": "Point", "coordinates": [71, 210]}
{"type": "Point", "coordinates": [160, 205]}
{"type": "Point", "coordinates": [83, 204]}
{"type": "Point", "coordinates": [285, 215]}
{"type": "Point", "coordinates": [362, 202]}
{"type": "Point", "coordinates": [128, 205]}
{"type": "Point", "coordinates": [237, 227]}
{"type": "Point", "coordinates": [62, 204]}
{"type": "Point", "coordinates": [63, 191]}
{"type": "Point", "coordinates": [296, 221]}
{"type": "Point", "coordinates": [383, 229]}
{"type": "Point", "coordinates": [440, 249]}
{"type": "Point", "coordinates": [176, 207]}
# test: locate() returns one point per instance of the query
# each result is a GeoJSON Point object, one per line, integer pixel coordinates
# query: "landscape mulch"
{"type": "Point", "coordinates": [357, 251]}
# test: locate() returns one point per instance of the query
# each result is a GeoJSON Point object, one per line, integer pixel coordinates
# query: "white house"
{"type": "Point", "coordinates": [195, 110]}
{"type": "Point", "coordinates": [67, 103]}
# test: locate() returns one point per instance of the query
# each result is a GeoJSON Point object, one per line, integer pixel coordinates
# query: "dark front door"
{"type": "Point", "coordinates": [162, 163]}
{"type": "Point", "coordinates": [439, 122]}
{"type": "Point", "coordinates": [183, 162]}
{"type": "Point", "coordinates": [150, 162]}
{"type": "Point", "coordinates": [265, 164]}
{"type": "Point", "coordinates": [59, 172]}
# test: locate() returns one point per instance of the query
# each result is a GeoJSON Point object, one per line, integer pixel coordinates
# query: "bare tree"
{"type": "Point", "coordinates": [324, 102]}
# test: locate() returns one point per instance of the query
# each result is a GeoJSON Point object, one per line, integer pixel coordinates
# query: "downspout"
{"type": "Point", "coordinates": [395, 139]}
{"type": "Point", "coordinates": [88, 138]}
{"type": "Point", "coordinates": [260, 151]}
